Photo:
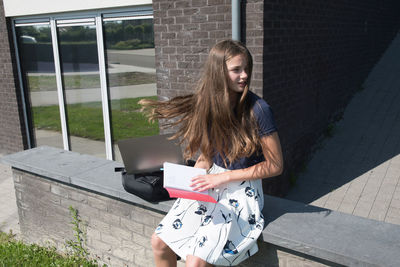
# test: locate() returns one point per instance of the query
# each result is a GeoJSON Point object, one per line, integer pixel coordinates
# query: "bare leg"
{"type": "Point", "coordinates": [193, 261]}
{"type": "Point", "coordinates": [163, 255]}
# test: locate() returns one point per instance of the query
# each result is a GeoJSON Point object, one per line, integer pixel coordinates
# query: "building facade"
{"type": "Point", "coordinates": [71, 73]}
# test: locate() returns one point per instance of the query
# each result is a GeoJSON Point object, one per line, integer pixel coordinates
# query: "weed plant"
{"type": "Point", "coordinates": [16, 253]}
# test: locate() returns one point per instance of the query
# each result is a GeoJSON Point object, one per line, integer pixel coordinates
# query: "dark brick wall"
{"type": "Point", "coordinates": [310, 57]}
{"type": "Point", "coordinates": [317, 54]}
{"type": "Point", "coordinates": [183, 33]}
{"type": "Point", "coordinates": [11, 128]}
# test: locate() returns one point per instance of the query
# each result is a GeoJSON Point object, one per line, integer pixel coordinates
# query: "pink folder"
{"type": "Point", "coordinates": [177, 193]}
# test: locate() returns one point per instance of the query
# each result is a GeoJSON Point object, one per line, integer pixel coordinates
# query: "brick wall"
{"type": "Point", "coordinates": [317, 54]}
{"type": "Point", "coordinates": [184, 32]}
{"type": "Point", "coordinates": [310, 57]}
{"type": "Point", "coordinates": [117, 233]}
{"type": "Point", "coordinates": [11, 137]}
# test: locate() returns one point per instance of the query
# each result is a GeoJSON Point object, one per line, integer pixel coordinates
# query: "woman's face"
{"type": "Point", "coordinates": [237, 72]}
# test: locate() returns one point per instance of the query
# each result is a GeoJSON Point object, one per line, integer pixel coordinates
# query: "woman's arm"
{"type": "Point", "coordinates": [272, 166]}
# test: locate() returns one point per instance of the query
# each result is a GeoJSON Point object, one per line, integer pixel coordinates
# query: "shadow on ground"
{"type": "Point", "coordinates": [365, 143]}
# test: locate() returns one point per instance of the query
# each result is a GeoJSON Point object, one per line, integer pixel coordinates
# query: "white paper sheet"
{"type": "Point", "coordinates": [179, 176]}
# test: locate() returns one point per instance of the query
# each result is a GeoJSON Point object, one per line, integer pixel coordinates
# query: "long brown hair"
{"type": "Point", "coordinates": [206, 120]}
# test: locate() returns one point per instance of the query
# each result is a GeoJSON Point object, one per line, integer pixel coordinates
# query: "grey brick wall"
{"type": "Point", "coordinates": [11, 129]}
{"type": "Point", "coordinates": [118, 233]}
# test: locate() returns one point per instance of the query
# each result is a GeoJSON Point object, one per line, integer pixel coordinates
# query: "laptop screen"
{"type": "Point", "coordinates": [147, 154]}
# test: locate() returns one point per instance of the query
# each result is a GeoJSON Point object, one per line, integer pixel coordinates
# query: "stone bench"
{"type": "Point", "coordinates": [119, 225]}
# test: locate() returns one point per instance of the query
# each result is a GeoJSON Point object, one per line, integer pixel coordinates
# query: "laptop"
{"type": "Point", "coordinates": [148, 154]}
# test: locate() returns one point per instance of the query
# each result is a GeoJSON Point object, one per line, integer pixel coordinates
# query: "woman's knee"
{"type": "Point", "coordinates": [157, 244]}
{"type": "Point", "coordinates": [196, 261]}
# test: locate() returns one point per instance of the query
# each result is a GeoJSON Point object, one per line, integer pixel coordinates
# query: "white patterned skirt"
{"type": "Point", "coordinates": [223, 233]}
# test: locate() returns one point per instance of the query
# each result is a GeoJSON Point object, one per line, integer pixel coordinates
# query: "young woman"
{"type": "Point", "coordinates": [234, 131]}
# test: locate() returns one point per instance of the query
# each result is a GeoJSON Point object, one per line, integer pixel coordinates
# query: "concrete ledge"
{"type": "Point", "coordinates": [322, 236]}
{"type": "Point", "coordinates": [85, 171]}
{"type": "Point", "coordinates": [330, 235]}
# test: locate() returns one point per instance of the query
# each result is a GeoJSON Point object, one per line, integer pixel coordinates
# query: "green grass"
{"type": "Point", "coordinates": [86, 119]}
{"type": "Point", "coordinates": [17, 253]}
{"type": "Point", "coordinates": [48, 82]}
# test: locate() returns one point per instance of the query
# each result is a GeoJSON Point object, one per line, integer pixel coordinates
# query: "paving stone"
{"type": "Point", "coordinates": [351, 198]}
{"type": "Point", "coordinates": [385, 193]}
{"type": "Point", "coordinates": [392, 177]}
{"type": "Point", "coordinates": [363, 208]}
{"type": "Point", "coordinates": [347, 207]}
{"type": "Point", "coordinates": [320, 202]}
{"type": "Point", "coordinates": [396, 194]}
{"type": "Point", "coordinates": [332, 204]}
{"type": "Point", "coordinates": [395, 203]}
{"type": "Point", "coordinates": [379, 210]}
{"type": "Point", "coordinates": [355, 189]}
{"type": "Point", "coordinates": [9, 219]}
{"type": "Point", "coordinates": [393, 220]}
{"type": "Point", "coordinates": [339, 193]}
{"type": "Point", "coordinates": [370, 191]}
{"type": "Point", "coordinates": [393, 212]}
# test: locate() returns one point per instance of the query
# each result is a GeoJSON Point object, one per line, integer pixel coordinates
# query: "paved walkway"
{"type": "Point", "coordinates": [357, 171]}
{"type": "Point", "coordinates": [8, 206]}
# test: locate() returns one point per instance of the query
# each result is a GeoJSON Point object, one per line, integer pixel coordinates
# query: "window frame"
{"type": "Point", "coordinates": [97, 18]}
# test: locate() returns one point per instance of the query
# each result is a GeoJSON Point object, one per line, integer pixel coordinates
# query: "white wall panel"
{"type": "Point", "coordinates": [14, 8]}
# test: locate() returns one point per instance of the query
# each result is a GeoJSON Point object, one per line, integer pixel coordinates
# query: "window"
{"type": "Point", "coordinates": [37, 65]}
{"type": "Point", "coordinates": [83, 76]}
{"type": "Point", "coordinates": [81, 84]}
{"type": "Point", "coordinates": [131, 75]}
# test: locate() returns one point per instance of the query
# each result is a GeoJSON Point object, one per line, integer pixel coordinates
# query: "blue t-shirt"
{"type": "Point", "coordinates": [266, 124]}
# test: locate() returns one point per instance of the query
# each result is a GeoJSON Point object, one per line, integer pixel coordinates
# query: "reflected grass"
{"type": "Point", "coordinates": [86, 119]}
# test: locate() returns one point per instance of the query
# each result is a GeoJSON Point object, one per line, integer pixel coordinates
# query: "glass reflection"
{"type": "Point", "coordinates": [130, 59]}
{"type": "Point", "coordinates": [37, 66]}
{"type": "Point", "coordinates": [81, 80]}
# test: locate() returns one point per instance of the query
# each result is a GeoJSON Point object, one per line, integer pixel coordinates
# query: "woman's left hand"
{"type": "Point", "coordinates": [208, 181]}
